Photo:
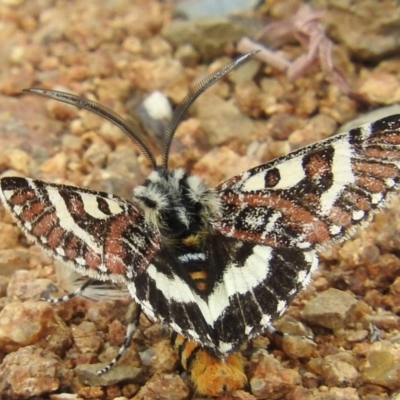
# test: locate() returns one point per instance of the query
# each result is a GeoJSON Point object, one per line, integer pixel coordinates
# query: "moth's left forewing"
{"type": "Point", "coordinates": [316, 194]}
{"type": "Point", "coordinates": [97, 234]}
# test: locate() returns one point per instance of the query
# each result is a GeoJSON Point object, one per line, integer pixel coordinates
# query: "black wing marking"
{"type": "Point", "coordinates": [254, 285]}
{"type": "Point", "coordinates": [317, 194]}
{"type": "Point", "coordinates": [98, 234]}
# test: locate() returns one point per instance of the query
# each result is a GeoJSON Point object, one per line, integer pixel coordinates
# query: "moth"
{"type": "Point", "coordinates": [216, 265]}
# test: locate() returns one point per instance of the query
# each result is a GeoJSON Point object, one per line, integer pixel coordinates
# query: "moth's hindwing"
{"type": "Point", "coordinates": [98, 234]}
{"type": "Point", "coordinates": [248, 285]}
{"type": "Point", "coordinates": [315, 195]}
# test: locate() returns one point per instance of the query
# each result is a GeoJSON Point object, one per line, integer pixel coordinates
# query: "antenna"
{"type": "Point", "coordinates": [193, 94]}
{"type": "Point", "coordinates": [101, 110]}
{"type": "Point", "coordinates": [121, 123]}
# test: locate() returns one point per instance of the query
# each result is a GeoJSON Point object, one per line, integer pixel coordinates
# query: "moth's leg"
{"type": "Point", "coordinates": [274, 332]}
{"type": "Point", "coordinates": [69, 296]}
{"type": "Point", "coordinates": [130, 330]}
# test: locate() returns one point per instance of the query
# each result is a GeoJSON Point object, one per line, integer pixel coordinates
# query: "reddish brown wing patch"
{"type": "Point", "coordinates": [95, 232]}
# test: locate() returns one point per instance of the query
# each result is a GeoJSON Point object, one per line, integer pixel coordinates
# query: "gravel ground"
{"type": "Point", "coordinates": [344, 341]}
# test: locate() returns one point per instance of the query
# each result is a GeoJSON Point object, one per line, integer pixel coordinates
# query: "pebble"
{"type": "Point", "coordinates": [9, 236]}
{"type": "Point", "coordinates": [208, 36]}
{"type": "Point", "coordinates": [338, 373]}
{"type": "Point", "coordinates": [45, 370]}
{"type": "Point", "coordinates": [230, 164]}
{"type": "Point", "coordinates": [361, 29]}
{"type": "Point", "coordinates": [379, 87]}
{"type": "Point", "coordinates": [165, 358]}
{"type": "Point", "coordinates": [85, 337]}
{"type": "Point", "coordinates": [267, 376]}
{"type": "Point", "coordinates": [64, 396]}
{"type": "Point", "coordinates": [329, 308]}
{"type": "Point", "coordinates": [280, 126]}
{"type": "Point", "coordinates": [299, 347]}
{"type": "Point", "coordinates": [221, 120]}
{"type": "Point", "coordinates": [318, 128]}
{"type": "Point", "coordinates": [382, 365]}
{"type": "Point", "coordinates": [22, 324]}
{"type": "Point", "coordinates": [87, 374]}
{"type": "Point", "coordinates": [24, 285]}
{"type": "Point", "coordinates": [163, 387]}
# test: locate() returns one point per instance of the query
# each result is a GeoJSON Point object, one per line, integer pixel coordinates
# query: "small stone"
{"type": "Point", "coordinates": [56, 165]}
{"type": "Point", "coordinates": [385, 320]}
{"type": "Point", "coordinates": [187, 55]}
{"type": "Point", "coordinates": [114, 392]}
{"type": "Point", "coordinates": [248, 98]}
{"type": "Point", "coordinates": [380, 87]}
{"type": "Point", "coordinates": [157, 332]}
{"type": "Point", "coordinates": [19, 160]}
{"type": "Point", "coordinates": [280, 126]}
{"type": "Point", "coordinates": [22, 324]}
{"type": "Point", "coordinates": [338, 373]}
{"type": "Point", "coordinates": [221, 120]}
{"type": "Point", "coordinates": [382, 366]}
{"type": "Point", "coordinates": [329, 308]}
{"type": "Point", "coordinates": [87, 374]}
{"type": "Point", "coordinates": [267, 377]}
{"type": "Point", "coordinates": [336, 393]}
{"type": "Point", "coordinates": [113, 135]}
{"type": "Point", "coordinates": [17, 78]}
{"type": "Point", "coordinates": [130, 389]}
{"type": "Point", "coordinates": [64, 396]}
{"type": "Point", "coordinates": [318, 128]}
{"type": "Point", "coordinates": [310, 380]}
{"type": "Point", "coordinates": [299, 347]}
{"type": "Point", "coordinates": [24, 286]}
{"type": "Point", "coordinates": [165, 358]}
{"type": "Point", "coordinates": [91, 392]}
{"type": "Point", "coordinates": [208, 36]}
{"type": "Point", "coordinates": [97, 153]}
{"type": "Point", "coordinates": [116, 333]}
{"type": "Point", "coordinates": [104, 312]}
{"type": "Point", "coordinates": [230, 163]}
{"type": "Point", "coordinates": [85, 337]}
{"type": "Point", "coordinates": [362, 30]}
{"type": "Point", "coordinates": [13, 259]}
{"type": "Point", "coordinates": [30, 372]}
{"type": "Point", "coordinates": [163, 387]}
{"type": "Point", "coordinates": [357, 336]}
{"type": "Point", "coordinates": [9, 235]}
{"type": "Point", "coordinates": [160, 74]}
{"type": "Point", "coordinates": [157, 47]}
{"type": "Point", "coordinates": [292, 326]}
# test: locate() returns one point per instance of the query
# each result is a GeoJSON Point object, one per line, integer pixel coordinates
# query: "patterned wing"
{"type": "Point", "coordinates": [225, 297]}
{"type": "Point", "coordinates": [98, 234]}
{"type": "Point", "coordinates": [317, 194]}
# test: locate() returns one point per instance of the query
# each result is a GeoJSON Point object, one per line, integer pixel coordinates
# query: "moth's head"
{"type": "Point", "coordinates": [176, 203]}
